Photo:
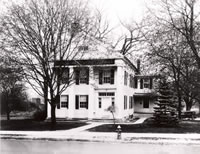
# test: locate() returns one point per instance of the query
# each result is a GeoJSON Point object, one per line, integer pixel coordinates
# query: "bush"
{"type": "Point", "coordinates": [39, 115]}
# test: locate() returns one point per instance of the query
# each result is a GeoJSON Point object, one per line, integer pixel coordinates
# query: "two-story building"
{"type": "Point", "coordinates": [102, 80]}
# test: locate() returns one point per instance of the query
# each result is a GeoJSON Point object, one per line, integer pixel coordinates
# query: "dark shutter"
{"type": "Point", "coordinates": [87, 73]}
{"type": "Point", "coordinates": [135, 82]}
{"type": "Point", "coordinates": [67, 69]}
{"type": "Point", "coordinates": [141, 83]}
{"type": "Point", "coordinates": [151, 83]}
{"type": "Point", "coordinates": [77, 76]}
{"type": "Point", "coordinates": [67, 104]}
{"type": "Point", "coordinates": [112, 76]}
{"type": "Point", "coordinates": [100, 76]}
{"type": "Point", "coordinates": [87, 102]}
{"type": "Point", "coordinates": [77, 102]}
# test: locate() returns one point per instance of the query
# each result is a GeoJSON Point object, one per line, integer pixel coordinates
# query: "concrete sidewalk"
{"type": "Point", "coordinates": [81, 134]}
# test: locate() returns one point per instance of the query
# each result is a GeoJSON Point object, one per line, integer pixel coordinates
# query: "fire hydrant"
{"type": "Point", "coordinates": [119, 131]}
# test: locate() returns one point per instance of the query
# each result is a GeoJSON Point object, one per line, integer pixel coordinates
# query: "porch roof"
{"type": "Point", "coordinates": [145, 94]}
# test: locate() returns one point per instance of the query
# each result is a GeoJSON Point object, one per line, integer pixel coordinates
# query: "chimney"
{"type": "Point", "coordinates": [138, 66]}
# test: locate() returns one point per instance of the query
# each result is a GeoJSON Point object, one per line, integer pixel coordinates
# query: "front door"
{"type": "Point", "coordinates": [104, 103]}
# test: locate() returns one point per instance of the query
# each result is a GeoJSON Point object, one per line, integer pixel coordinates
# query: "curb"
{"type": "Point", "coordinates": [110, 139]}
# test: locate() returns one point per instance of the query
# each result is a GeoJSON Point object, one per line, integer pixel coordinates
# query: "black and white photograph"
{"type": "Point", "coordinates": [99, 76]}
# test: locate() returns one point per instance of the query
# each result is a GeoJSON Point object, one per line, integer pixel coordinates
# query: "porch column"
{"type": "Point", "coordinates": [71, 100]}
{"type": "Point", "coordinates": [119, 93]}
{"type": "Point", "coordinates": [91, 102]}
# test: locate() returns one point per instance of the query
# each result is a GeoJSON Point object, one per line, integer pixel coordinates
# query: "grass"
{"type": "Point", "coordinates": [183, 127]}
{"type": "Point", "coordinates": [31, 125]}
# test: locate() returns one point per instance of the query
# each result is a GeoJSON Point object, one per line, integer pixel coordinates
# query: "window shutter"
{"type": "Point", "coordinates": [67, 69]}
{"type": "Point", "coordinates": [88, 75]}
{"type": "Point", "coordinates": [100, 76]}
{"type": "Point", "coordinates": [112, 76]}
{"type": "Point", "coordinates": [141, 83]}
{"type": "Point", "coordinates": [135, 82]}
{"type": "Point", "coordinates": [67, 105]}
{"type": "Point", "coordinates": [151, 83]}
{"type": "Point", "coordinates": [77, 74]}
{"type": "Point", "coordinates": [77, 102]}
{"type": "Point", "coordinates": [86, 101]}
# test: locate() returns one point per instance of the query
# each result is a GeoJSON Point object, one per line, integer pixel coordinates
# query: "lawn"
{"type": "Point", "coordinates": [31, 125]}
{"type": "Point", "coordinates": [183, 127]}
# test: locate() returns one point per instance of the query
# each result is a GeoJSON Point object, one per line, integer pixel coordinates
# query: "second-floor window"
{"type": "Point", "coordinates": [82, 76]}
{"type": "Point", "coordinates": [125, 78]}
{"type": "Point", "coordinates": [146, 83]}
{"type": "Point", "coordinates": [131, 83]}
{"type": "Point", "coordinates": [62, 75]}
{"type": "Point", "coordinates": [83, 48]}
{"type": "Point", "coordinates": [106, 76]}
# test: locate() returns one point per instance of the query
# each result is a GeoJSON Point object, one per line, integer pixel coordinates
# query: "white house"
{"type": "Point", "coordinates": [103, 81]}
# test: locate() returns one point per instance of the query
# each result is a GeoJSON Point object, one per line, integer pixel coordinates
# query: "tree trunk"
{"type": "Point", "coordinates": [53, 117]}
{"type": "Point", "coordinates": [179, 106]}
{"type": "Point", "coordinates": [45, 99]}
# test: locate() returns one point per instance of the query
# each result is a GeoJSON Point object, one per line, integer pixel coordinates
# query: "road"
{"type": "Point", "coordinates": [72, 147]}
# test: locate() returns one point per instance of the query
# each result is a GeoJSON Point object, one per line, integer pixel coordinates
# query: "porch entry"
{"type": "Point", "coordinates": [105, 100]}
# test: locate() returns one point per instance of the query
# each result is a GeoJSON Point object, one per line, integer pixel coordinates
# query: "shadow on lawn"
{"type": "Point", "coordinates": [31, 125]}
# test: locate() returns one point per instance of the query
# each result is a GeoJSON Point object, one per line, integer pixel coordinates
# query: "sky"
{"type": "Point", "coordinates": [113, 10]}
{"type": "Point", "coordinates": [125, 11]}
{"type": "Point", "coordinates": [122, 9]}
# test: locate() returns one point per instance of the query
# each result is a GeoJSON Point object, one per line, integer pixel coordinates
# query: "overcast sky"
{"type": "Point", "coordinates": [114, 11]}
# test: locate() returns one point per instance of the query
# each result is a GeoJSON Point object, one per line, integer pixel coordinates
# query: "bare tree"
{"type": "Point", "coordinates": [134, 39]}
{"type": "Point", "coordinates": [169, 50]}
{"type": "Point", "coordinates": [183, 16]}
{"type": "Point", "coordinates": [43, 34]}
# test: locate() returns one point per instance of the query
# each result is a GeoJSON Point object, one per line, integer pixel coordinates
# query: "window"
{"type": "Point", "coordinates": [125, 78]}
{"type": "Point", "coordinates": [81, 101]}
{"type": "Point", "coordinates": [141, 84]}
{"type": "Point", "coordinates": [100, 102]}
{"type": "Point", "coordinates": [106, 94]}
{"type": "Point", "coordinates": [83, 48]}
{"type": "Point", "coordinates": [62, 74]}
{"type": "Point", "coordinates": [146, 102]}
{"type": "Point", "coordinates": [63, 102]}
{"type": "Point", "coordinates": [106, 76]}
{"type": "Point", "coordinates": [135, 82]}
{"type": "Point", "coordinates": [130, 102]}
{"type": "Point", "coordinates": [146, 83]}
{"type": "Point", "coordinates": [82, 76]}
{"type": "Point", "coordinates": [65, 76]}
{"type": "Point", "coordinates": [131, 83]}
{"type": "Point", "coordinates": [125, 102]}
